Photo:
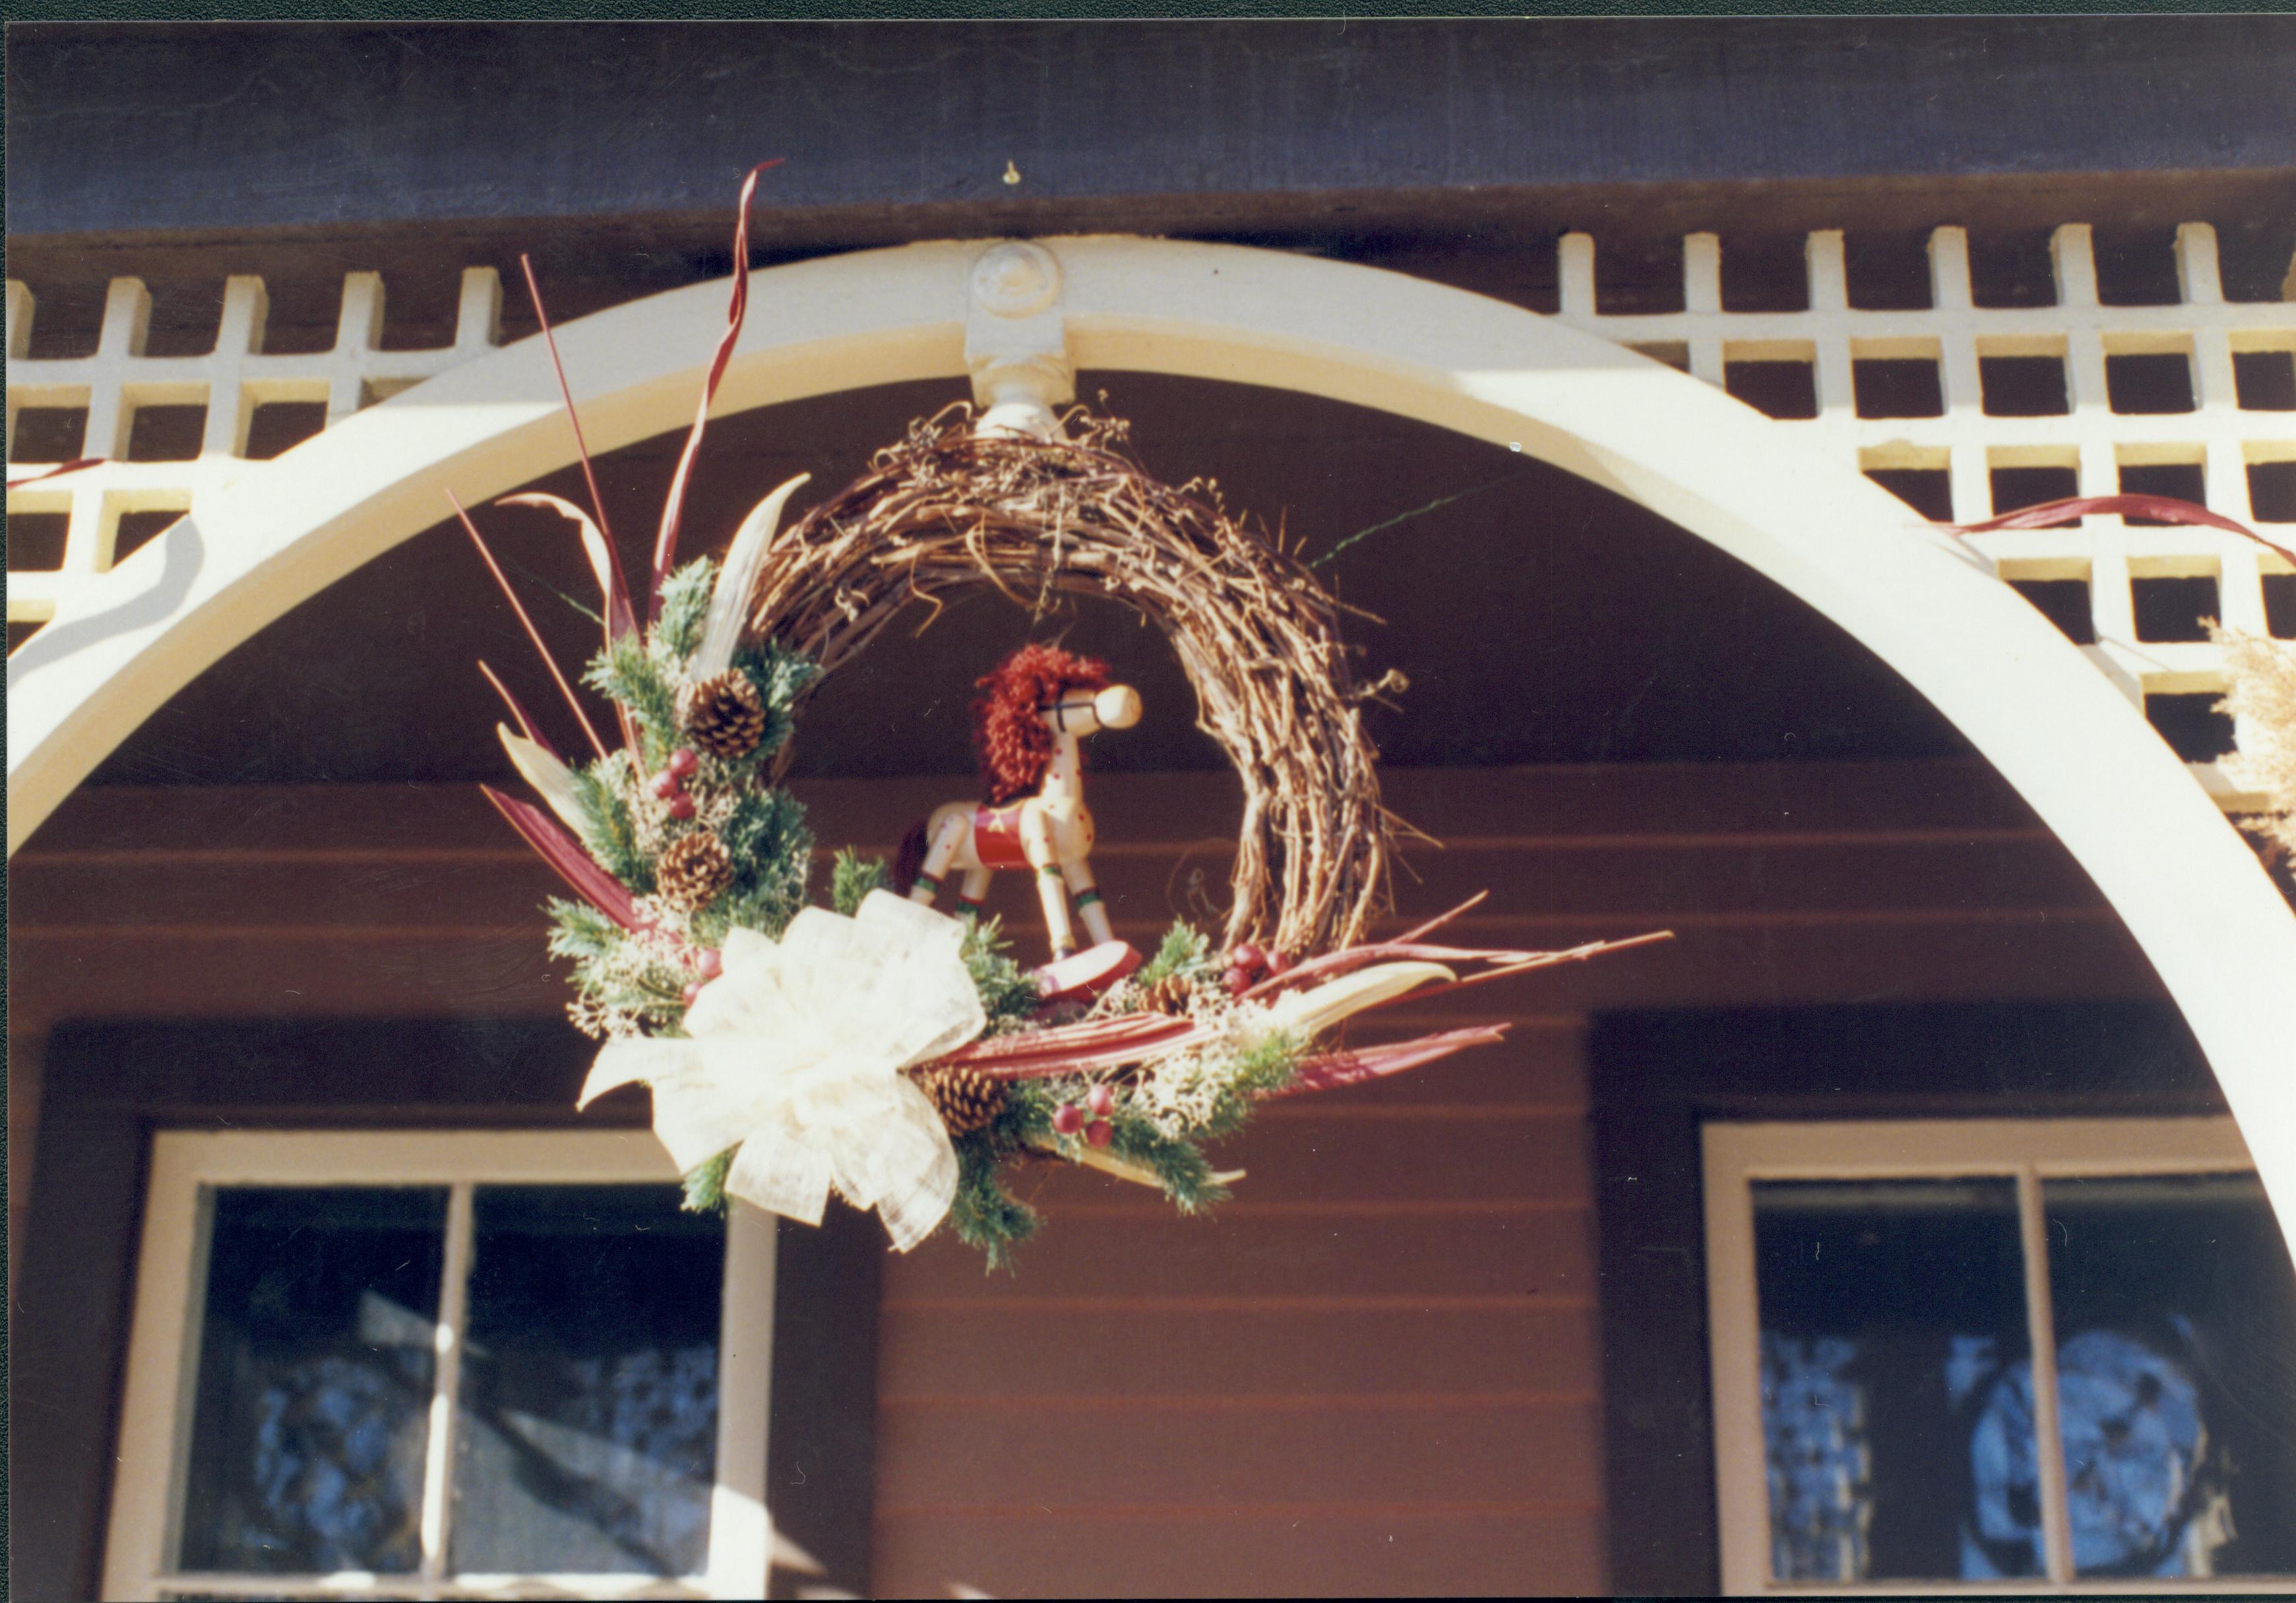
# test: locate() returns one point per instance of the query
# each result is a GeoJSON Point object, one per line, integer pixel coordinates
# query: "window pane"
{"type": "Point", "coordinates": [1896, 1404]}
{"type": "Point", "coordinates": [315, 1375]}
{"type": "Point", "coordinates": [588, 1431]}
{"type": "Point", "coordinates": [2176, 1311]}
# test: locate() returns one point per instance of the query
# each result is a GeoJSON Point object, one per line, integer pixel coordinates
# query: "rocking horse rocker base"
{"type": "Point", "coordinates": [1085, 975]}
{"type": "Point", "coordinates": [1038, 703]}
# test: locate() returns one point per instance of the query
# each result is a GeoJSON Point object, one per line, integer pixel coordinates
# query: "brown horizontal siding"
{"type": "Point", "coordinates": [1817, 883]}
{"type": "Point", "coordinates": [1490, 1547]}
{"type": "Point", "coordinates": [1247, 1249]}
{"type": "Point", "coordinates": [157, 973]}
{"type": "Point", "coordinates": [1649, 800]}
{"type": "Point", "coordinates": [1400, 1451]}
{"type": "Point", "coordinates": [1526, 877]}
{"type": "Point", "coordinates": [1221, 1347]}
{"type": "Point", "coordinates": [248, 969]}
{"type": "Point", "coordinates": [1514, 1157]}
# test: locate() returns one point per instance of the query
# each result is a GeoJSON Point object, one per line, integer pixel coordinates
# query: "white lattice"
{"type": "Point", "coordinates": [1968, 444]}
{"type": "Point", "coordinates": [230, 381]}
{"type": "Point", "coordinates": [1965, 442]}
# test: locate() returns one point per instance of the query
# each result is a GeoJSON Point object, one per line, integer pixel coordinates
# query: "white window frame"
{"type": "Point", "coordinates": [188, 1167]}
{"type": "Point", "coordinates": [2029, 1151]}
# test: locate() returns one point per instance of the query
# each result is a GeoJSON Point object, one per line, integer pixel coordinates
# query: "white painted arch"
{"type": "Point", "coordinates": [2190, 891]}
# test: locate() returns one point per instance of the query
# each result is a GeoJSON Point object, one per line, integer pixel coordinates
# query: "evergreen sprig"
{"type": "Point", "coordinates": [1186, 953]}
{"type": "Point", "coordinates": [1259, 1070]}
{"type": "Point", "coordinates": [705, 1186]}
{"type": "Point", "coordinates": [635, 679]}
{"type": "Point", "coordinates": [853, 878]}
{"type": "Point", "coordinates": [1179, 1163]}
{"type": "Point", "coordinates": [685, 605]}
{"type": "Point", "coordinates": [579, 931]}
{"type": "Point", "coordinates": [1008, 993]}
{"type": "Point", "coordinates": [608, 831]}
{"type": "Point", "coordinates": [780, 678]}
{"type": "Point", "coordinates": [773, 856]}
{"type": "Point", "coordinates": [612, 975]}
{"type": "Point", "coordinates": [984, 1215]}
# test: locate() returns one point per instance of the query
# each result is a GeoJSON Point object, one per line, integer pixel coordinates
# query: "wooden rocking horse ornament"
{"type": "Point", "coordinates": [1034, 709]}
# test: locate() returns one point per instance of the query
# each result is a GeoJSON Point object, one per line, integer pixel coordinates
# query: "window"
{"type": "Point", "coordinates": [2029, 1355]}
{"type": "Point", "coordinates": [441, 1365]}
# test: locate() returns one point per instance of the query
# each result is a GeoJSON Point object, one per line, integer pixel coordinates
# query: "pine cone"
{"type": "Point", "coordinates": [724, 715]}
{"type": "Point", "coordinates": [1171, 994]}
{"type": "Point", "coordinates": [693, 870]}
{"type": "Point", "coordinates": [965, 1099]}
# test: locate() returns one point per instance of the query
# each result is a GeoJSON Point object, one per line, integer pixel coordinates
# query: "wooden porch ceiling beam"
{"type": "Point", "coordinates": [1029, 127]}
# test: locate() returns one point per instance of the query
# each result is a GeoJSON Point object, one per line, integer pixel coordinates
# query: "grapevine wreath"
{"type": "Point", "coordinates": [878, 1048]}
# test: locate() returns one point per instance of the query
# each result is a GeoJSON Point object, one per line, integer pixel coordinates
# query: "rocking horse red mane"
{"type": "Point", "coordinates": [1008, 725]}
{"type": "Point", "coordinates": [1034, 708]}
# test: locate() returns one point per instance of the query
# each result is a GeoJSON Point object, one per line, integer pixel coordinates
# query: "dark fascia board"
{"type": "Point", "coordinates": [175, 129]}
{"type": "Point", "coordinates": [1112, 10]}
{"type": "Point", "coordinates": [1414, 230]}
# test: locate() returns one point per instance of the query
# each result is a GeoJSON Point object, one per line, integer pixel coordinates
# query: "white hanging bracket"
{"type": "Point", "coordinates": [1016, 344]}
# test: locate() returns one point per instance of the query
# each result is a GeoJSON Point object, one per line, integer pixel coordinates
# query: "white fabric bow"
{"type": "Point", "coordinates": [795, 1052]}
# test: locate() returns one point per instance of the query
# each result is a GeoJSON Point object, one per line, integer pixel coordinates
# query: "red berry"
{"type": "Point", "coordinates": [1099, 1133]}
{"type": "Point", "coordinates": [707, 964]}
{"type": "Point", "coordinates": [1101, 1101]}
{"type": "Point", "coordinates": [682, 761]}
{"type": "Point", "coordinates": [1279, 962]}
{"type": "Point", "coordinates": [1247, 957]}
{"type": "Point", "coordinates": [692, 992]}
{"type": "Point", "coordinates": [665, 785]}
{"type": "Point", "coordinates": [1239, 981]}
{"type": "Point", "coordinates": [681, 805]}
{"type": "Point", "coordinates": [1069, 1118]}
